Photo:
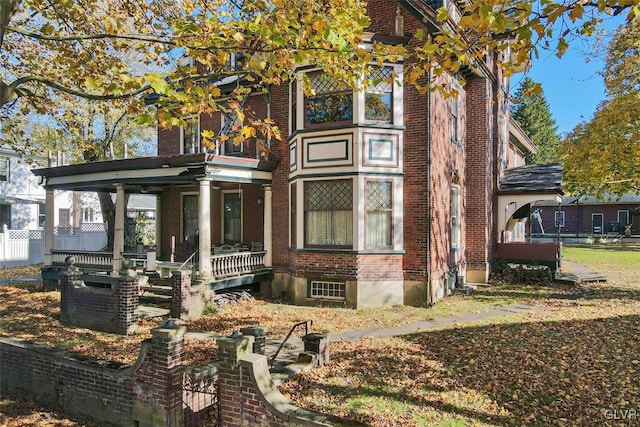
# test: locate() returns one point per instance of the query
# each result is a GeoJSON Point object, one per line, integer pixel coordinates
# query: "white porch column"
{"type": "Point", "coordinates": [158, 225]}
{"type": "Point", "coordinates": [118, 232]}
{"type": "Point", "coordinates": [204, 228]}
{"type": "Point", "coordinates": [268, 244]}
{"type": "Point", "coordinates": [49, 225]}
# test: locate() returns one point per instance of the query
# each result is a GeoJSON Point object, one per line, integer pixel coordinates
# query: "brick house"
{"type": "Point", "coordinates": [588, 216]}
{"type": "Point", "coordinates": [373, 198]}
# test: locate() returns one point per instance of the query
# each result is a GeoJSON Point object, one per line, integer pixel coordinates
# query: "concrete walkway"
{"type": "Point", "coordinates": [577, 273]}
{"type": "Point", "coordinates": [294, 346]}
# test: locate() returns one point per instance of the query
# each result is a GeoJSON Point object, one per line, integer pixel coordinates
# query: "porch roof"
{"type": "Point", "coordinates": [532, 179]}
{"type": "Point", "coordinates": [152, 174]}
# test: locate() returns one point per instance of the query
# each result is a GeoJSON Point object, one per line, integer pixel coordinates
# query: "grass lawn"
{"type": "Point", "coordinates": [564, 364]}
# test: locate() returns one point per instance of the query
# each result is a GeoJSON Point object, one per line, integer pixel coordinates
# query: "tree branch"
{"type": "Point", "coordinates": [80, 37]}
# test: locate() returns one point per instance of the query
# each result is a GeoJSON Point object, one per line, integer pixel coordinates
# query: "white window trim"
{"type": "Point", "coordinates": [559, 223]}
{"type": "Point", "coordinates": [199, 146]}
{"type": "Point", "coordinates": [220, 147]}
{"type": "Point", "coordinates": [455, 239]}
{"type": "Point", "coordinates": [6, 160]}
{"type": "Point", "coordinates": [625, 211]}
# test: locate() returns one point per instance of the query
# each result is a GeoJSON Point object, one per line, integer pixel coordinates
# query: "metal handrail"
{"type": "Point", "coordinates": [306, 324]}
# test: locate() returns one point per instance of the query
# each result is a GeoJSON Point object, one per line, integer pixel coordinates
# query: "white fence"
{"type": "Point", "coordinates": [26, 247]}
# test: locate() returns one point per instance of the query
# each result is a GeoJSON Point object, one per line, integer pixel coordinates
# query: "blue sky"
{"type": "Point", "coordinates": [571, 84]}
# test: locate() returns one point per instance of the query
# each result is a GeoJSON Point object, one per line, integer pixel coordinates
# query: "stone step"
{"type": "Point", "coordinates": [155, 299]}
{"type": "Point", "coordinates": [151, 288]}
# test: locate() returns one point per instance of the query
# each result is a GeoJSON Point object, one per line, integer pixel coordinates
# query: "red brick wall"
{"type": "Point", "coordinates": [448, 166]}
{"type": "Point", "coordinates": [479, 171]}
{"type": "Point", "coordinates": [280, 200]}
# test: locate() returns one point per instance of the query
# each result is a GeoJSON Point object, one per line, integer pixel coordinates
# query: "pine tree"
{"type": "Point", "coordinates": [531, 111]}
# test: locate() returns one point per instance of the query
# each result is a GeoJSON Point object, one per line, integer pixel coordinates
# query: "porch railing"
{"type": "Point", "coordinates": [85, 260]}
{"type": "Point", "coordinates": [237, 264]}
{"type": "Point", "coordinates": [222, 266]}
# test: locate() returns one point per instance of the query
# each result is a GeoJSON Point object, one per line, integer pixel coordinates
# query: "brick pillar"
{"type": "Point", "coordinates": [159, 381]}
{"type": "Point", "coordinates": [69, 278]}
{"type": "Point", "coordinates": [230, 350]}
{"type": "Point", "coordinates": [319, 344]}
{"type": "Point", "coordinates": [259, 334]}
{"type": "Point", "coordinates": [181, 297]}
{"type": "Point", "coordinates": [127, 299]}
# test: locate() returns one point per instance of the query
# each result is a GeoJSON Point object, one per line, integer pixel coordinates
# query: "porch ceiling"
{"type": "Point", "coordinates": [153, 174]}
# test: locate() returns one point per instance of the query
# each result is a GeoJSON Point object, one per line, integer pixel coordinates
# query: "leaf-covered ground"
{"type": "Point", "coordinates": [575, 361]}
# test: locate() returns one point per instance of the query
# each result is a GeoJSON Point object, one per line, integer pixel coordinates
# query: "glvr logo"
{"type": "Point", "coordinates": [621, 414]}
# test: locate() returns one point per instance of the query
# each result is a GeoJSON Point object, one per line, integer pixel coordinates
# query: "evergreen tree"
{"type": "Point", "coordinates": [531, 110]}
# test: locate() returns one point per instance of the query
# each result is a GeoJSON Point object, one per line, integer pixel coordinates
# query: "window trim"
{"type": "Point", "coordinates": [626, 212]}
{"type": "Point", "coordinates": [198, 146]}
{"type": "Point", "coordinates": [559, 222]}
{"type": "Point", "coordinates": [305, 107]}
{"type": "Point", "coordinates": [7, 176]}
{"type": "Point", "coordinates": [222, 148]}
{"type": "Point", "coordinates": [367, 210]}
{"type": "Point", "coordinates": [391, 94]}
{"type": "Point", "coordinates": [455, 238]}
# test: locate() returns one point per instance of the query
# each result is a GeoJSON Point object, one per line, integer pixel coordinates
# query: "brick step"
{"type": "Point", "coordinates": [155, 300]}
{"type": "Point", "coordinates": [156, 289]}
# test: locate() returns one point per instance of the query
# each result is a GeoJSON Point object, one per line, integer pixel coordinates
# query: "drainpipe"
{"type": "Point", "coordinates": [430, 298]}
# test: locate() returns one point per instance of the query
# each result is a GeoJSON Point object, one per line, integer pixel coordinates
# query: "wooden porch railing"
{"type": "Point", "coordinates": [237, 264]}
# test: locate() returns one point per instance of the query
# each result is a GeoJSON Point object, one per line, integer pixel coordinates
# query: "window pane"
{"type": "Point", "coordinates": [378, 107]}
{"type": "Point", "coordinates": [189, 218]}
{"type": "Point", "coordinates": [329, 213]}
{"type": "Point", "coordinates": [4, 169]}
{"type": "Point", "coordinates": [332, 101]}
{"type": "Point", "coordinates": [329, 108]}
{"type": "Point", "coordinates": [232, 218]}
{"type": "Point", "coordinates": [378, 98]}
{"type": "Point", "coordinates": [455, 217]}
{"type": "Point", "coordinates": [191, 138]}
{"type": "Point", "coordinates": [379, 213]}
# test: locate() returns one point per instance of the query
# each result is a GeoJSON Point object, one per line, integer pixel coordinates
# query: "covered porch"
{"type": "Point", "coordinates": [519, 189]}
{"type": "Point", "coordinates": [213, 216]}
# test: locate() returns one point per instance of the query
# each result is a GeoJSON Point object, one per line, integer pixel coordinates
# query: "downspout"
{"type": "Point", "coordinates": [430, 299]}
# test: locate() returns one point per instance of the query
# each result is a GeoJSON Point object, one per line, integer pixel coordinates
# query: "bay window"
{"type": "Point", "coordinates": [328, 210]}
{"type": "Point", "coordinates": [379, 95]}
{"type": "Point", "coordinates": [379, 214]}
{"type": "Point", "coordinates": [331, 101]}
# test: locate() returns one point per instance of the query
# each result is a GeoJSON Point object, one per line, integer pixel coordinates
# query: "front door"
{"type": "Point", "coordinates": [597, 220]}
{"type": "Point", "coordinates": [232, 217]}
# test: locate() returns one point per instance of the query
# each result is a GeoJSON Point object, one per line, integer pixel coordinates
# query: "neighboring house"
{"type": "Point", "coordinates": [361, 206]}
{"type": "Point", "coordinates": [587, 215]}
{"type": "Point", "coordinates": [21, 196]}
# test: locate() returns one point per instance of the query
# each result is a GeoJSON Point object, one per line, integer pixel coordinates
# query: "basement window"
{"type": "Point", "coordinates": [327, 290]}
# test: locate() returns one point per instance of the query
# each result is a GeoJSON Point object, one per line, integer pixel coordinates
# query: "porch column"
{"type": "Point", "coordinates": [268, 257]}
{"type": "Point", "coordinates": [118, 232]}
{"type": "Point", "coordinates": [158, 225]}
{"type": "Point", "coordinates": [49, 224]}
{"type": "Point", "coordinates": [204, 228]}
